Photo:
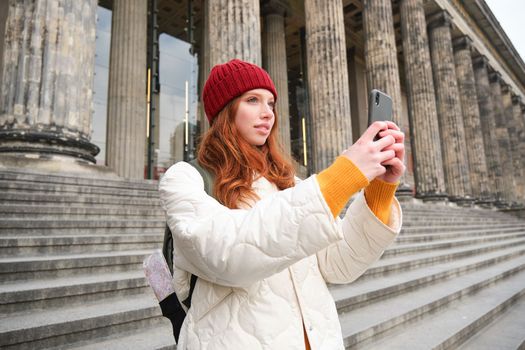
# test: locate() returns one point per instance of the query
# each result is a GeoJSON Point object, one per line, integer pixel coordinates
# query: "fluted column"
{"type": "Point", "coordinates": [327, 80]}
{"type": "Point", "coordinates": [46, 100]}
{"type": "Point", "coordinates": [473, 135]}
{"type": "Point", "coordinates": [234, 31]}
{"type": "Point", "coordinates": [126, 133]}
{"type": "Point", "coordinates": [517, 141]}
{"type": "Point", "coordinates": [508, 130]}
{"type": "Point", "coordinates": [522, 142]}
{"type": "Point", "coordinates": [502, 137]}
{"type": "Point", "coordinates": [204, 67]}
{"type": "Point", "coordinates": [275, 63]}
{"type": "Point", "coordinates": [449, 109]}
{"type": "Point", "coordinates": [422, 108]}
{"type": "Point", "coordinates": [381, 61]}
{"type": "Point", "coordinates": [488, 127]}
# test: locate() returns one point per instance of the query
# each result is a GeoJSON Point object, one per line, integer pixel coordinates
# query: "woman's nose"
{"type": "Point", "coordinates": [267, 111]}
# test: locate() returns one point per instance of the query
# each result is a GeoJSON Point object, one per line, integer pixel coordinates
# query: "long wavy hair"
{"type": "Point", "coordinates": [234, 161]}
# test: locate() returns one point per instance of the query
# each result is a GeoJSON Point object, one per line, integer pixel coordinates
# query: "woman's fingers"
{"type": "Point", "coordinates": [384, 142]}
{"type": "Point", "coordinates": [392, 125]}
{"type": "Point", "coordinates": [398, 135]}
{"type": "Point", "coordinates": [399, 148]}
{"type": "Point", "coordinates": [373, 130]}
{"type": "Point", "coordinates": [386, 155]}
{"type": "Point", "coordinates": [396, 166]}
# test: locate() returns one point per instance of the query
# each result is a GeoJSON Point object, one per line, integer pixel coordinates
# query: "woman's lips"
{"type": "Point", "coordinates": [263, 128]}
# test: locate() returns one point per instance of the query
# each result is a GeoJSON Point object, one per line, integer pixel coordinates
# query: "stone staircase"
{"type": "Point", "coordinates": [71, 252]}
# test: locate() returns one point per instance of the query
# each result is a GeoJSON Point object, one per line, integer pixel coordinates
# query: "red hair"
{"type": "Point", "coordinates": [233, 160]}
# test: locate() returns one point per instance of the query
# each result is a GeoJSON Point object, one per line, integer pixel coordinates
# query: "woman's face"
{"type": "Point", "coordinates": [255, 116]}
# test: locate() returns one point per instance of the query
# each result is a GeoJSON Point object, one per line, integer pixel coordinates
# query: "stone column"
{"type": "Point", "coordinates": [204, 67]}
{"type": "Point", "coordinates": [449, 109]}
{"type": "Point", "coordinates": [46, 100]}
{"type": "Point", "coordinates": [508, 129]}
{"type": "Point", "coordinates": [469, 103]}
{"type": "Point", "coordinates": [4, 10]}
{"type": "Point", "coordinates": [275, 63]}
{"type": "Point", "coordinates": [488, 127]}
{"type": "Point", "coordinates": [327, 81]}
{"type": "Point", "coordinates": [522, 141]}
{"type": "Point", "coordinates": [234, 31]}
{"type": "Point", "coordinates": [381, 61]}
{"type": "Point", "coordinates": [126, 133]}
{"type": "Point", "coordinates": [502, 137]}
{"type": "Point", "coordinates": [426, 146]}
{"type": "Point", "coordinates": [517, 141]}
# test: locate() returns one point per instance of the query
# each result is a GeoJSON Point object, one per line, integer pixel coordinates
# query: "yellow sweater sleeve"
{"type": "Point", "coordinates": [379, 196]}
{"type": "Point", "coordinates": [339, 182]}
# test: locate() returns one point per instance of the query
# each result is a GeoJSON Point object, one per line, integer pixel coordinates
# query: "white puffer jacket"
{"type": "Point", "coordinates": [263, 270]}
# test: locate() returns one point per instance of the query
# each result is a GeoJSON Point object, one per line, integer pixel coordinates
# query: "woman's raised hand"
{"type": "Point", "coordinates": [395, 167]}
{"type": "Point", "coordinates": [370, 156]}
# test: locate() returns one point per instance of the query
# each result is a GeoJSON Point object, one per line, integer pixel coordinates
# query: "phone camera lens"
{"type": "Point", "coordinates": [377, 100]}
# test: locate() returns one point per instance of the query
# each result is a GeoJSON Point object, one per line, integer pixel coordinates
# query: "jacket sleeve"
{"type": "Point", "coordinates": [236, 247]}
{"type": "Point", "coordinates": [365, 239]}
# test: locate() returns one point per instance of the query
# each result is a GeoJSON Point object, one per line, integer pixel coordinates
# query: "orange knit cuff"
{"type": "Point", "coordinates": [379, 196]}
{"type": "Point", "coordinates": [339, 182]}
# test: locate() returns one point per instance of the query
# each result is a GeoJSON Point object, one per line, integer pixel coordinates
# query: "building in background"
{"type": "Point", "coordinates": [117, 84]}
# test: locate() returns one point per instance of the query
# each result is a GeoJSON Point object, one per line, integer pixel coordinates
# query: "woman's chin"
{"type": "Point", "coordinates": [257, 141]}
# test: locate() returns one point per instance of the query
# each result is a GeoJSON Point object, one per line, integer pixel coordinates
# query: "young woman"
{"type": "Point", "coordinates": [266, 247]}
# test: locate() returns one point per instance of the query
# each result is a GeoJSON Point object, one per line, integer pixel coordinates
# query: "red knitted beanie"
{"type": "Point", "coordinates": [230, 80]}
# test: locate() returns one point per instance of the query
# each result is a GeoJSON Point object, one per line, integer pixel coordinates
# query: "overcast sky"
{"type": "Point", "coordinates": [510, 14]}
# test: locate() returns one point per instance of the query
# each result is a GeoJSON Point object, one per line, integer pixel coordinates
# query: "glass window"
{"type": "Point", "coordinates": [177, 101]}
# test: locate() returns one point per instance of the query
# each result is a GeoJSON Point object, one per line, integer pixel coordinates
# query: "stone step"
{"type": "Point", "coordinates": [436, 229]}
{"type": "Point", "coordinates": [432, 237]}
{"type": "Point", "coordinates": [83, 231]}
{"type": "Point", "coordinates": [421, 219]}
{"type": "Point", "coordinates": [413, 248]}
{"type": "Point", "coordinates": [505, 332]}
{"type": "Point", "coordinates": [52, 188]}
{"type": "Point", "coordinates": [42, 328]}
{"type": "Point", "coordinates": [448, 327]}
{"type": "Point", "coordinates": [407, 222]}
{"type": "Point", "coordinates": [102, 182]}
{"type": "Point", "coordinates": [366, 324]}
{"type": "Point", "coordinates": [60, 212]}
{"type": "Point", "coordinates": [72, 244]}
{"type": "Point", "coordinates": [368, 291]}
{"type": "Point", "coordinates": [444, 208]}
{"type": "Point", "coordinates": [66, 199]}
{"type": "Point", "coordinates": [156, 338]}
{"type": "Point", "coordinates": [17, 296]}
{"type": "Point", "coordinates": [456, 214]}
{"type": "Point", "coordinates": [390, 265]}
{"type": "Point", "coordinates": [18, 227]}
{"type": "Point", "coordinates": [85, 223]}
{"type": "Point", "coordinates": [39, 267]}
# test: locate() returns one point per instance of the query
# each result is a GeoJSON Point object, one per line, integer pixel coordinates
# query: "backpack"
{"type": "Point", "coordinates": [171, 307]}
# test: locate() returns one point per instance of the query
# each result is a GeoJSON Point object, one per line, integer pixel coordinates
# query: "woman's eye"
{"type": "Point", "coordinates": [252, 99]}
{"type": "Point", "coordinates": [272, 105]}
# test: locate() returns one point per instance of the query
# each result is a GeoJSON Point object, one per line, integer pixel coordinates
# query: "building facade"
{"type": "Point", "coordinates": [116, 83]}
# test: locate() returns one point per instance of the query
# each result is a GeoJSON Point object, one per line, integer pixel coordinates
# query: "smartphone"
{"type": "Point", "coordinates": [379, 107]}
